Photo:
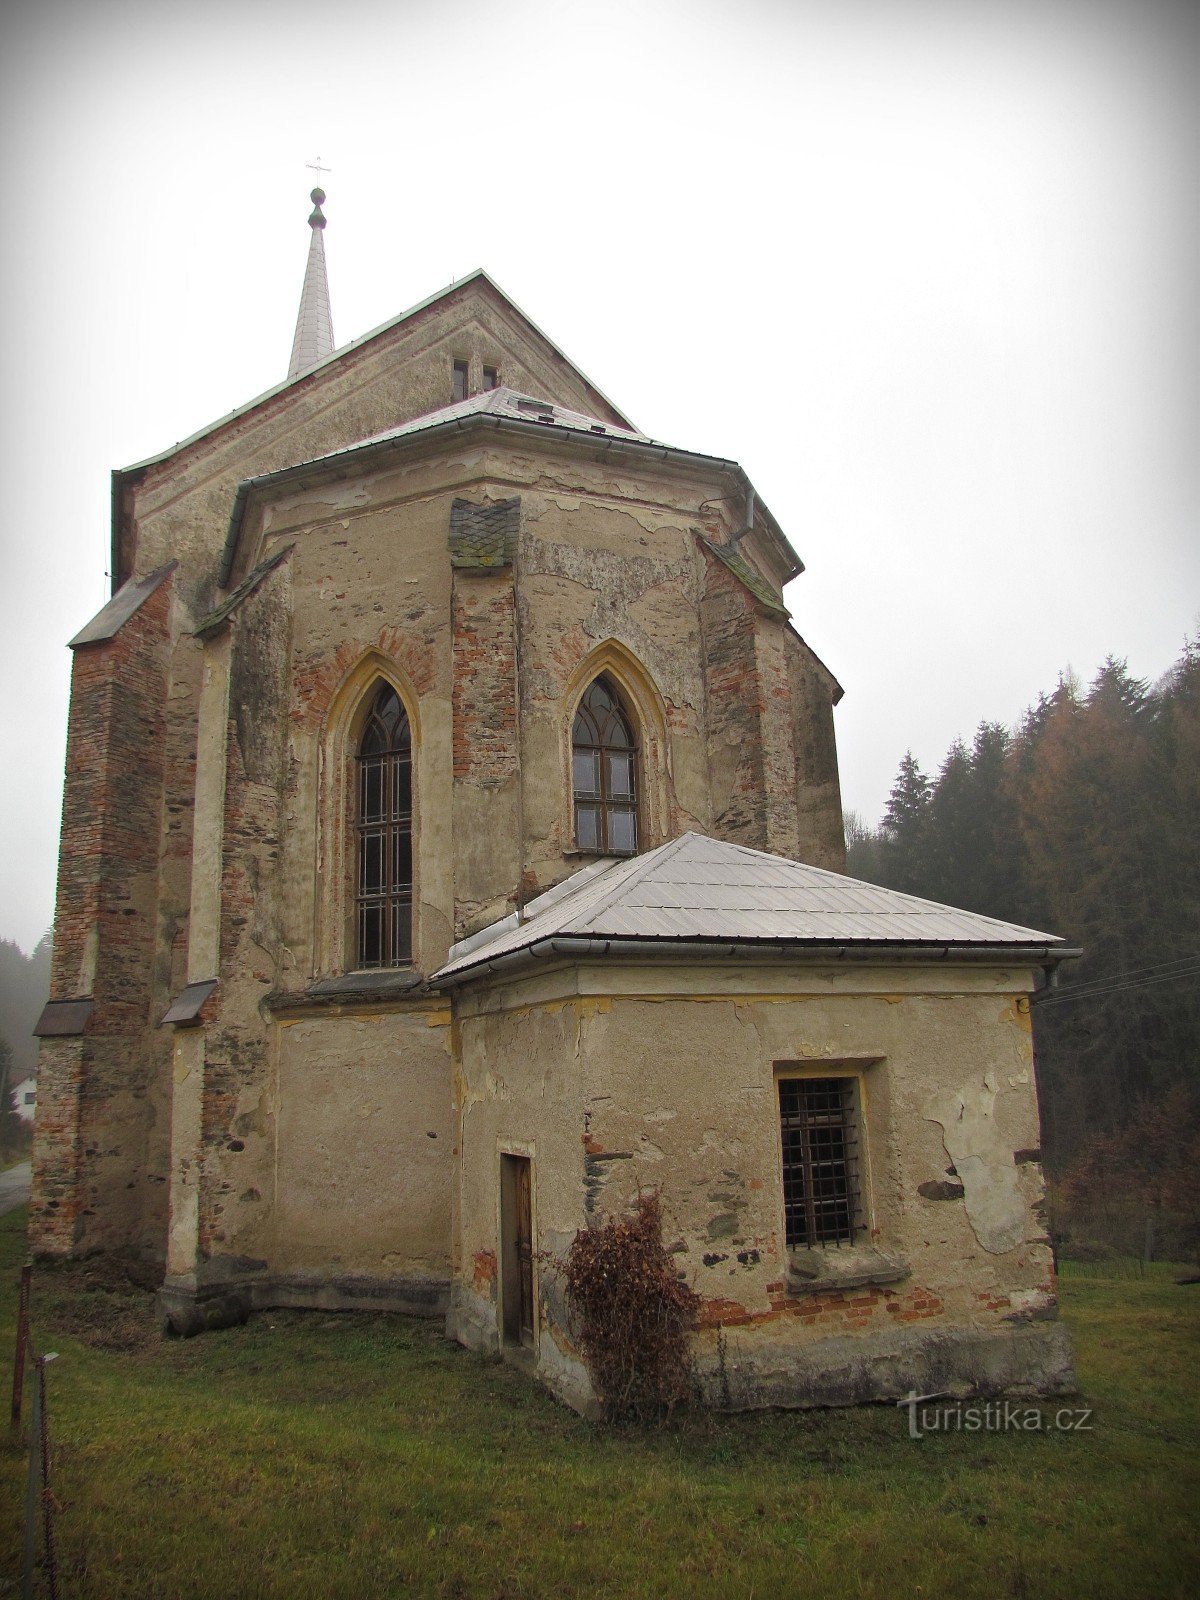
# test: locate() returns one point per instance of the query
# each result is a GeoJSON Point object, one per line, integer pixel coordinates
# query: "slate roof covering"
{"type": "Point", "coordinates": [701, 890]}
{"type": "Point", "coordinates": [234, 598]}
{"type": "Point", "coordinates": [741, 569]}
{"type": "Point", "coordinates": [129, 598]}
{"type": "Point", "coordinates": [484, 536]}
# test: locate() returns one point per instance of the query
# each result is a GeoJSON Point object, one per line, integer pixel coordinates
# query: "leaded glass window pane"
{"type": "Point", "coordinates": [385, 869]}
{"type": "Point", "coordinates": [604, 773]}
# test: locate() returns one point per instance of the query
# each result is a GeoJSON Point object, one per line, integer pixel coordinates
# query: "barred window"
{"type": "Point", "coordinates": [819, 1123]}
{"type": "Point", "coordinates": [604, 774]}
{"type": "Point", "coordinates": [385, 872]}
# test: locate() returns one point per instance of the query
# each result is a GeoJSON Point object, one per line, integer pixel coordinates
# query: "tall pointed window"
{"type": "Point", "coordinates": [604, 773]}
{"type": "Point", "coordinates": [385, 873]}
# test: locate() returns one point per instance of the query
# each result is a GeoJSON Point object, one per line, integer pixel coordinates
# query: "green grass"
{"type": "Point", "coordinates": [352, 1456]}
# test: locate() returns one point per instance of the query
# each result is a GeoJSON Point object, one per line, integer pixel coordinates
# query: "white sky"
{"type": "Point", "coordinates": [925, 267]}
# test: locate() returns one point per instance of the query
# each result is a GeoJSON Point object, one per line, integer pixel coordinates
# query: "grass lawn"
{"type": "Point", "coordinates": [359, 1455]}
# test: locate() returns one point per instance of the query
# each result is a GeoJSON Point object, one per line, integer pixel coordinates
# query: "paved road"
{"type": "Point", "coordinates": [14, 1187]}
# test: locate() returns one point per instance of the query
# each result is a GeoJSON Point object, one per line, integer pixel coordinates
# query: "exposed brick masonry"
{"type": "Point", "coordinates": [103, 935]}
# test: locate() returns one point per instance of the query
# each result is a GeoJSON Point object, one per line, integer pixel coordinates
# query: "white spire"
{"type": "Point", "coordinates": [314, 325]}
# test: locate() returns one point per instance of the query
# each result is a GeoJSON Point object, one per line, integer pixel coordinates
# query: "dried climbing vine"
{"type": "Point", "coordinates": [631, 1314]}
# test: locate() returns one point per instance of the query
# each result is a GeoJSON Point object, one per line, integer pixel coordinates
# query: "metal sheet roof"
{"type": "Point", "coordinates": [63, 1019]}
{"type": "Point", "coordinates": [698, 889]}
{"type": "Point", "coordinates": [498, 402]}
{"type": "Point", "coordinates": [113, 616]}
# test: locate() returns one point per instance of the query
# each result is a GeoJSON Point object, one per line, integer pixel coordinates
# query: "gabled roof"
{"type": "Point", "coordinates": [696, 892]}
{"type": "Point", "coordinates": [478, 276]}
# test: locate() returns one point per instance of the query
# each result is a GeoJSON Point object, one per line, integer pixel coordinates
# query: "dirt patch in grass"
{"type": "Point", "coordinates": [95, 1302]}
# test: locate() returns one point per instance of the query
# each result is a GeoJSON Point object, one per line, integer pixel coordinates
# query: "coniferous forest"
{"type": "Point", "coordinates": [1084, 821]}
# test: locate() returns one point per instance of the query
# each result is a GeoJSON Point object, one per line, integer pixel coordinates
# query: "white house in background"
{"type": "Point", "coordinates": [24, 1099]}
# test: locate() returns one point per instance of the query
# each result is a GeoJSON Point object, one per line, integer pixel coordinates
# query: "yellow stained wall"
{"type": "Point", "coordinates": [614, 1090]}
{"type": "Point", "coordinates": [364, 1146]}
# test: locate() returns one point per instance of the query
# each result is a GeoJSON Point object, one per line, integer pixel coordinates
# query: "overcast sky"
{"type": "Point", "coordinates": [927, 270]}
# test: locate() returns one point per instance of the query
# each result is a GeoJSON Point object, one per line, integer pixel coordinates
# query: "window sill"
{"type": "Point", "coordinates": [365, 980]}
{"type": "Point", "coordinates": [855, 1267]}
{"type": "Point", "coordinates": [588, 854]}
{"type": "Point", "coordinates": [370, 986]}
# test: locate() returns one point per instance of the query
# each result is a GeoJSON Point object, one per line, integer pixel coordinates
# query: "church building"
{"type": "Point", "coordinates": [452, 847]}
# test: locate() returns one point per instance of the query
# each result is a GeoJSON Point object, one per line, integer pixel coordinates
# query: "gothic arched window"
{"type": "Point", "coordinates": [604, 773]}
{"type": "Point", "coordinates": [385, 870]}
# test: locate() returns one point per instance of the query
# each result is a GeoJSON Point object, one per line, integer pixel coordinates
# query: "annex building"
{"type": "Point", "coordinates": [452, 846]}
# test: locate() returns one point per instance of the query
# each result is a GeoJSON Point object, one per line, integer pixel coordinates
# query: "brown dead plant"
{"type": "Point", "coordinates": [631, 1314]}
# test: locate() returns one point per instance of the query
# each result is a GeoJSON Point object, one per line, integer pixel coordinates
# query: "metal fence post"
{"type": "Point", "coordinates": [33, 1483]}
{"type": "Point", "coordinates": [22, 1345]}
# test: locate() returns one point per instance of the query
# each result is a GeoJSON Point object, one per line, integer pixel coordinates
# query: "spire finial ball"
{"type": "Point", "coordinates": [317, 197]}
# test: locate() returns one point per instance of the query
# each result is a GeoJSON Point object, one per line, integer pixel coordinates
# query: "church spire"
{"type": "Point", "coordinates": [314, 325]}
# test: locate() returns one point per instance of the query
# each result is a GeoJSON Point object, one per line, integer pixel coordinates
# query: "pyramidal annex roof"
{"type": "Point", "coordinates": [697, 892]}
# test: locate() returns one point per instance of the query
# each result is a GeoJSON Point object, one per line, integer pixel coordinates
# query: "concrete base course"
{"type": "Point", "coordinates": [960, 1363]}
{"type": "Point", "coordinates": [187, 1308]}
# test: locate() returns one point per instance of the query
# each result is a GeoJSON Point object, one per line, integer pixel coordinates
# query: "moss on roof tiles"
{"type": "Point", "coordinates": [758, 586]}
{"type": "Point", "coordinates": [233, 600]}
{"type": "Point", "coordinates": [484, 536]}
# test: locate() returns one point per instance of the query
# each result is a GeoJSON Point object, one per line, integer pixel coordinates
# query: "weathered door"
{"type": "Point", "coordinates": [516, 1222]}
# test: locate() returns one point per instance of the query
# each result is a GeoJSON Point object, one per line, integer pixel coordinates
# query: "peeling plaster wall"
{"type": "Point", "coordinates": [179, 509]}
{"type": "Point", "coordinates": [251, 825]}
{"type": "Point", "coordinates": [611, 1091]}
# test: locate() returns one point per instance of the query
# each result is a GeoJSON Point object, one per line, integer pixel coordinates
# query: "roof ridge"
{"type": "Point", "coordinates": [644, 864]}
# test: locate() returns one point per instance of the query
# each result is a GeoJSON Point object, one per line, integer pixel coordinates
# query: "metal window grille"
{"type": "Point", "coordinates": [819, 1124]}
{"type": "Point", "coordinates": [604, 774]}
{"type": "Point", "coordinates": [385, 869]}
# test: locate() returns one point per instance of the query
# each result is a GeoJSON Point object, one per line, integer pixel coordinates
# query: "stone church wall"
{"type": "Point", "coordinates": [238, 852]}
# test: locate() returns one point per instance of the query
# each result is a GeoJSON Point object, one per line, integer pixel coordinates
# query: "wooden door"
{"type": "Point", "coordinates": [516, 1245]}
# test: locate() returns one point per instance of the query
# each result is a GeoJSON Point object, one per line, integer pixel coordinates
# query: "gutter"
{"type": "Point", "coordinates": [573, 947]}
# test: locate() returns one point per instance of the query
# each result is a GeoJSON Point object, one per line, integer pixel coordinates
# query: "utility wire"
{"type": "Point", "coordinates": [1121, 981]}
{"type": "Point", "coordinates": [1137, 972]}
{"type": "Point", "coordinates": [1063, 996]}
